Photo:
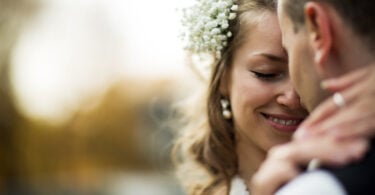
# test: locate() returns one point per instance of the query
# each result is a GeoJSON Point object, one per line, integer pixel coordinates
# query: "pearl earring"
{"type": "Point", "coordinates": [227, 114]}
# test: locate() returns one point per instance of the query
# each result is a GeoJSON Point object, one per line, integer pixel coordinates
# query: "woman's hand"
{"type": "Point", "coordinates": [334, 135]}
{"type": "Point", "coordinates": [285, 162]}
{"type": "Point", "coordinates": [356, 119]}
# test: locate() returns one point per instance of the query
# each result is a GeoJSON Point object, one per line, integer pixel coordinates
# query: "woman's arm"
{"type": "Point", "coordinates": [285, 162]}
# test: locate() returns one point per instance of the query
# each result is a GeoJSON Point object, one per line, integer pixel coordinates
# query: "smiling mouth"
{"type": "Point", "coordinates": [283, 123]}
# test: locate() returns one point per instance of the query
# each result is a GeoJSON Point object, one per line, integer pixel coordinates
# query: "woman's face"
{"type": "Point", "coordinates": [266, 109]}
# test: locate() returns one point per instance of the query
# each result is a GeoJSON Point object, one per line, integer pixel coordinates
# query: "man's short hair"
{"type": "Point", "coordinates": [359, 14]}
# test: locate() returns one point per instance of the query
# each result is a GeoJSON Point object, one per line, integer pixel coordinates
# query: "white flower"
{"type": "Point", "coordinates": [222, 16]}
{"type": "Point", "coordinates": [207, 25]}
{"type": "Point", "coordinates": [224, 24]}
{"type": "Point", "coordinates": [232, 16]}
{"type": "Point", "coordinates": [234, 8]}
{"type": "Point", "coordinates": [215, 31]}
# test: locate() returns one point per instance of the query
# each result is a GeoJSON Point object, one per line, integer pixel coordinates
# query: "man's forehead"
{"type": "Point", "coordinates": [286, 27]}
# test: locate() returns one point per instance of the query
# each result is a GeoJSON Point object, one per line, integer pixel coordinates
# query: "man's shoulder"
{"type": "Point", "coordinates": [357, 178]}
{"type": "Point", "coordinates": [312, 183]}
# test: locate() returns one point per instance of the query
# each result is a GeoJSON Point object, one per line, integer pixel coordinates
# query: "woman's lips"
{"type": "Point", "coordinates": [284, 123]}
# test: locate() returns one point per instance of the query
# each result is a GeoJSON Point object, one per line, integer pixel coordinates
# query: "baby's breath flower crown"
{"type": "Point", "coordinates": [206, 25]}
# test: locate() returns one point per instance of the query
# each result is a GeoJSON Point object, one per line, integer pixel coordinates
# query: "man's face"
{"type": "Point", "coordinates": [300, 57]}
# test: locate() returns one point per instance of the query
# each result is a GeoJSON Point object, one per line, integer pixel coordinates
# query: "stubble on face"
{"type": "Point", "coordinates": [301, 63]}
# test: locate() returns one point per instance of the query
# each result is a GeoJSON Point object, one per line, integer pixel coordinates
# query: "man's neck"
{"type": "Point", "coordinates": [352, 54]}
{"type": "Point", "coordinates": [358, 57]}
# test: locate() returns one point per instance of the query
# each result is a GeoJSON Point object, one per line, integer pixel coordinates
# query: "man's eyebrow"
{"type": "Point", "coordinates": [272, 57]}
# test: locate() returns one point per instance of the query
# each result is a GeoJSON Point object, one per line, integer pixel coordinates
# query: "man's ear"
{"type": "Point", "coordinates": [318, 28]}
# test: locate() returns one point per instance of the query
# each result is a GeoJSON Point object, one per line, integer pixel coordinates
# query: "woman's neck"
{"type": "Point", "coordinates": [250, 157]}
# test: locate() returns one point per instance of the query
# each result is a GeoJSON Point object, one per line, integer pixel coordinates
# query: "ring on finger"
{"type": "Point", "coordinates": [339, 100]}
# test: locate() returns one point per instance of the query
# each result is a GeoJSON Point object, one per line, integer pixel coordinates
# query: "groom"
{"type": "Point", "coordinates": [326, 39]}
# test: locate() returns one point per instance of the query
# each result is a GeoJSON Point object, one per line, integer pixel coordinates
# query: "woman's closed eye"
{"type": "Point", "coordinates": [267, 76]}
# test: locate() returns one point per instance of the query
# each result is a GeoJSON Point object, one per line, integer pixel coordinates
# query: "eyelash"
{"type": "Point", "coordinates": [264, 76]}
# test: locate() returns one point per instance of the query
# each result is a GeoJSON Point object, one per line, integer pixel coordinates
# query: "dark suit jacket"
{"type": "Point", "coordinates": [358, 178]}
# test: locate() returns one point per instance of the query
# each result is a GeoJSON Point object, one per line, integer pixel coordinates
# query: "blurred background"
{"type": "Point", "coordinates": [86, 96]}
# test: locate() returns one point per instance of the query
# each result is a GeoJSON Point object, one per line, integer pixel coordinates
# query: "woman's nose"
{"type": "Point", "coordinates": [289, 98]}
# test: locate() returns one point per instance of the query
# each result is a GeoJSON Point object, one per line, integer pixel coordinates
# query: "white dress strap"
{"type": "Point", "coordinates": [238, 187]}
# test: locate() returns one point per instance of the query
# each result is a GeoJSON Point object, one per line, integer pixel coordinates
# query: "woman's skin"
{"type": "Point", "coordinates": [266, 109]}
{"type": "Point", "coordinates": [284, 162]}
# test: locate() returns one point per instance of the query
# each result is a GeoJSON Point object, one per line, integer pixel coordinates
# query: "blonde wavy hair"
{"type": "Point", "coordinates": [205, 151]}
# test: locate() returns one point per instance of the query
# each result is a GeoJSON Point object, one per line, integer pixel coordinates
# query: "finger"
{"type": "Point", "coordinates": [283, 162]}
{"type": "Point", "coordinates": [329, 150]}
{"type": "Point", "coordinates": [347, 124]}
{"type": "Point", "coordinates": [328, 109]}
{"type": "Point", "coordinates": [271, 176]}
{"type": "Point", "coordinates": [351, 94]}
{"type": "Point", "coordinates": [363, 130]}
{"type": "Point", "coordinates": [356, 119]}
{"type": "Point", "coordinates": [345, 81]}
{"type": "Point", "coordinates": [322, 113]}
{"type": "Point", "coordinates": [324, 110]}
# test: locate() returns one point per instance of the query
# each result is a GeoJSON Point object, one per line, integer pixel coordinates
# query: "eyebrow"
{"type": "Point", "coordinates": [272, 57]}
